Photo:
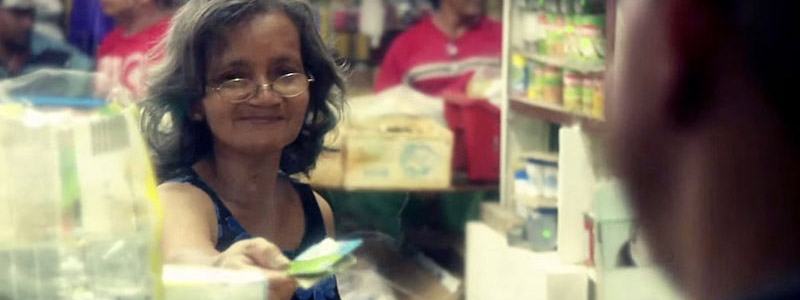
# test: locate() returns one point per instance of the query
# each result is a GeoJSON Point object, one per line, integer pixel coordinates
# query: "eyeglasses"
{"type": "Point", "coordinates": [241, 89]}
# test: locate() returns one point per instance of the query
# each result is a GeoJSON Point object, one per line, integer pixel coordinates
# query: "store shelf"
{"type": "Point", "coordinates": [552, 113]}
{"type": "Point", "coordinates": [583, 67]}
{"type": "Point", "coordinates": [451, 189]}
{"type": "Point", "coordinates": [537, 202]}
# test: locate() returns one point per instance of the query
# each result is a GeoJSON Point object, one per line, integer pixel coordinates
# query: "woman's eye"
{"type": "Point", "coordinates": [278, 72]}
{"type": "Point", "coordinates": [230, 77]}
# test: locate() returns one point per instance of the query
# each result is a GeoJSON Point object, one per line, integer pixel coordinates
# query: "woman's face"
{"type": "Point", "coordinates": [261, 50]}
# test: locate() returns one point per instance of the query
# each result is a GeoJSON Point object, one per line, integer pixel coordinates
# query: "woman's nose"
{"type": "Point", "coordinates": [266, 96]}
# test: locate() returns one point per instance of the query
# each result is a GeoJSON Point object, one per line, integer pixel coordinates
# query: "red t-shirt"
{"type": "Point", "coordinates": [123, 61]}
{"type": "Point", "coordinates": [430, 61]}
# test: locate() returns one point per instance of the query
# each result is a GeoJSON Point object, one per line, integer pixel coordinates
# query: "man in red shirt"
{"type": "Point", "coordinates": [127, 52]}
{"type": "Point", "coordinates": [439, 50]}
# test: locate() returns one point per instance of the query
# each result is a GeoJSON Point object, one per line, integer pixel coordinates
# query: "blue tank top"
{"type": "Point", "coordinates": [230, 231]}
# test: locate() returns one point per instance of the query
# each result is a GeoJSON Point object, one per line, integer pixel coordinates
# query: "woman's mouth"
{"type": "Point", "coordinates": [262, 120]}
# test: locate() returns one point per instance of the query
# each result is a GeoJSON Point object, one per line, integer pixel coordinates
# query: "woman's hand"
{"type": "Point", "coordinates": [267, 258]}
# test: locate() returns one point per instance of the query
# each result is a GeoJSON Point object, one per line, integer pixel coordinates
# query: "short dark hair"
{"type": "Point", "coordinates": [180, 83]}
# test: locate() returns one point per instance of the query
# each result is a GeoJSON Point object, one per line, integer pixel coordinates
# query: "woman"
{"type": "Point", "coordinates": [246, 93]}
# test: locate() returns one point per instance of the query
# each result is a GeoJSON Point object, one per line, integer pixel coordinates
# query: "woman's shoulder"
{"type": "Point", "coordinates": [184, 192]}
{"type": "Point", "coordinates": [186, 188]}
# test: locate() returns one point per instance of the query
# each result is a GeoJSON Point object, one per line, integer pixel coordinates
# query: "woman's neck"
{"type": "Point", "coordinates": [141, 17]}
{"type": "Point", "coordinates": [243, 180]}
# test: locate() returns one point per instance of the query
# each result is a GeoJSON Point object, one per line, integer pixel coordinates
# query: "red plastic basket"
{"type": "Point", "coordinates": [476, 127]}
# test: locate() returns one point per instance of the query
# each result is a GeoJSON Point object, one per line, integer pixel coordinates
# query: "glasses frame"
{"type": "Point", "coordinates": [266, 86]}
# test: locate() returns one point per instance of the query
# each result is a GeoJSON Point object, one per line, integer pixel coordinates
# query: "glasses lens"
{"type": "Point", "coordinates": [237, 89]}
{"type": "Point", "coordinates": [291, 85]}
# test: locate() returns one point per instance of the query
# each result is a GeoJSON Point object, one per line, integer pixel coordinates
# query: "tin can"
{"type": "Point", "coordinates": [552, 85]}
{"type": "Point", "coordinates": [599, 96]}
{"type": "Point", "coordinates": [587, 95]}
{"type": "Point", "coordinates": [573, 91]}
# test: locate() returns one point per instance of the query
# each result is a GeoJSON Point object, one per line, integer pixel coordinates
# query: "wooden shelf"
{"type": "Point", "coordinates": [553, 113]}
{"type": "Point", "coordinates": [582, 67]}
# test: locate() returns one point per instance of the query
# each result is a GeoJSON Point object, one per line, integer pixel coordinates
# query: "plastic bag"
{"type": "Point", "coordinates": [79, 214]}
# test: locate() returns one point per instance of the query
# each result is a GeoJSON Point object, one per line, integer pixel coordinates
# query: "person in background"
{"type": "Point", "coordinates": [438, 51]}
{"type": "Point", "coordinates": [126, 54]}
{"type": "Point", "coordinates": [704, 136]}
{"type": "Point", "coordinates": [250, 91]}
{"type": "Point", "coordinates": [23, 50]}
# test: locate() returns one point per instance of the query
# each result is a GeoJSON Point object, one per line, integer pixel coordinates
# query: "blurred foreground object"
{"type": "Point", "coordinates": [52, 87]}
{"type": "Point", "coordinates": [205, 283]}
{"type": "Point", "coordinates": [23, 50]}
{"type": "Point", "coordinates": [79, 214]}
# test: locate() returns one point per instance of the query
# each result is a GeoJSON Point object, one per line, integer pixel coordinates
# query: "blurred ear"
{"type": "Point", "coordinates": [696, 36]}
{"type": "Point", "coordinates": [198, 112]}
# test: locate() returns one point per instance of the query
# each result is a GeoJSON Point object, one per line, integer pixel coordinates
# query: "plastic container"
{"type": "Point", "coordinates": [476, 127]}
{"type": "Point", "coordinates": [519, 75]}
{"type": "Point", "coordinates": [79, 212]}
{"type": "Point", "coordinates": [78, 207]}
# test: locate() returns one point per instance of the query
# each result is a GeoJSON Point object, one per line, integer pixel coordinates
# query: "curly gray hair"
{"type": "Point", "coordinates": [180, 83]}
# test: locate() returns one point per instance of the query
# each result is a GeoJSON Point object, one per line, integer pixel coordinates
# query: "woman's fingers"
{"type": "Point", "coordinates": [232, 261]}
{"type": "Point", "coordinates": [262, 253]}
{"type": "Point", "coordinates": [281, 286]}
{"type": "Point", "coordinates": [266, 254]}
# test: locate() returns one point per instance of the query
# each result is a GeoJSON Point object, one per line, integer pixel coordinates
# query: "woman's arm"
{"type": "Point", "coordinates": [190, 230]}
{"type": "Point", "coordinates": [190, 233]}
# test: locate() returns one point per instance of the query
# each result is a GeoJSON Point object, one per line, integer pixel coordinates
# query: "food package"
{"type": "Point", "coordinates": [79, 213]}
{"type": "Point", "coordinates": [398, 152]}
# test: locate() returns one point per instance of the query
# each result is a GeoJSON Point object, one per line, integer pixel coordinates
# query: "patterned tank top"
{"type": "Point", "coordinates": [231, 231]}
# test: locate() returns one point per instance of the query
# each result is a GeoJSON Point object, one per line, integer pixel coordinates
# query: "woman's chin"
{"type": "Point", "coordinates": [260, 147]}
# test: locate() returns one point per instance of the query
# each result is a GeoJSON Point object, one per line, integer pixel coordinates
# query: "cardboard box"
{"type": "Point", "coordinates": [398, 152]}
{"type": "Point", "coordinates": [329, 171]}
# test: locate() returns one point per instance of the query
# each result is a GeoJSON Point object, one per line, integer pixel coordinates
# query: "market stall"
{"type": "Point", "coordinates": [496, 188]}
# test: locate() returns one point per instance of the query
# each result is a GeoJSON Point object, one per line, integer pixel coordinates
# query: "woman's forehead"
{"type": "Point", "coordinates": [269, 35]}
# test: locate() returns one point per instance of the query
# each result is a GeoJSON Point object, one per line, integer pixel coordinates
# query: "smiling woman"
{"type": "Point", "coordinates": [243, 99]}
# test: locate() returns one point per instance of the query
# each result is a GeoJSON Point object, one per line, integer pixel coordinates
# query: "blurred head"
{"type": "Point", "coordinates": [16, 23]}
{"type": "Point", "coordinates": [116, 8]}
{"type": "Point", "coordinates": [703, 134]}
{"type": "Point", "coordinates": [238, 74]}
{"type": "Point", "coordinates": [464, 9]}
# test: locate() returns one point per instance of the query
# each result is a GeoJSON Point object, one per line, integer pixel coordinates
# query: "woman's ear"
{"type": "Point", "coordinates": [197, 113]}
